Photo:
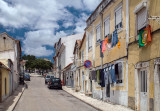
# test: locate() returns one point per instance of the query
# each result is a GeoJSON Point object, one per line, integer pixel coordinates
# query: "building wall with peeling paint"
{"type": "Point", "coordinates": [118, 93]}
{"type": "Point", "coordinates": [144, 55]}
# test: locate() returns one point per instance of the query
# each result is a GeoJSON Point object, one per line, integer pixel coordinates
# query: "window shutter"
{"type": "Point", "coordinates": [141, 18]}
{"type": "Point", "coordinates": [107, 26]}
{"type": "Point", "coordinates": [90, 39]}
{"type": "Point", "coordinates": [118, 16]}
{"type": "Point", "coordinates": [98, 34]}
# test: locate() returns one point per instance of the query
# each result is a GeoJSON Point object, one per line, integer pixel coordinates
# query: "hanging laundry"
{"type": "Point", "coordinates": [101, 54]}
{"type": "Point", "coordinates": [145, 36]}
{"type": "Point", "coordinates": [119, 43]}
{"type": "Point", "coordinates": [112, 72]}
{"type": "Point", "coordinates": [110, 38]}
{"type": "Point", "coordinates": [114, 39]}
{"type": "Point", "coordinates": [106, 40]}
{"type": "Point", "coordinates": [103, 46]}
{"type": "Point", "coordinates": [98, 76]}
{"type": "Point", "coordinates": [107, 76]}
{"type": "Point", "coordinates": [108, 46]}
{"type": "Point", "coordinates": [102, 82]}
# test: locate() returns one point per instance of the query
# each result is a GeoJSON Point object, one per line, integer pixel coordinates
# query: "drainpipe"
{"type": "Point", "coordinates": [127, 23]}
{"type": "Point", "coordinates": [101, 14]}
{"type": "Point", "coordinates": [127, 39]}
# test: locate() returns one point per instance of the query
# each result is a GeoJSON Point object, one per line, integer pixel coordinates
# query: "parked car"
{"type": "Point", "coordinates": [55, 83]}
{"type": "Point", "coordinates": [48, 77]}
{"type": "Point", "coordinates": [26, 77]}
{"type": "Point", "coordinates": [44, 75]}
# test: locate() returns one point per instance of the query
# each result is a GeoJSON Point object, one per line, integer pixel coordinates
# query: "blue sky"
{"type": "Point", "coordinates": [40, 23]}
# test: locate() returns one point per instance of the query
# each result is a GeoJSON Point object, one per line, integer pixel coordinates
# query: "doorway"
{"type": "Point", "coordinates": [5, 86]}
{"type": "Point", "coordinates": [85, 86]}
{"type": "Point", "coordinates": [90, 85]}
{"type": "Point", "coordinates": [108, 90]}
{"type": "Point", "coordinates": [157, 88]}
{"type": "Point", "coordinates": [143, 89]}
{"type": "Point", "coordinates": [83, 80]}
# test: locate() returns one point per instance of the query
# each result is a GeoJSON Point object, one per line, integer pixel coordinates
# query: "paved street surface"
{"type": "Point", "coordinates": [39, 98]}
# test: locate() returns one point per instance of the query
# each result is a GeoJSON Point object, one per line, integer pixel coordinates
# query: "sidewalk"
{"type": "Point", "coordinates": [104, 106]}
{"type": "Point", "coordinates": [10, 103]}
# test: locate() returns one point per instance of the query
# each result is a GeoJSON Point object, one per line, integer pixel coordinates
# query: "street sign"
{"type": "Point", "coordinates": [87, 64]}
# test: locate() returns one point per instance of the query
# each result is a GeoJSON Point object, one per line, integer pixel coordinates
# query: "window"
{"type": "Point", "coordinates": [141, 19]}
{"type": "Point", "coordinates": [98, 33]}
{"type": "Point", "coordinates": [143, 80]}
{"type": "Point", "coordinates": [118, 18]}
{"type": "Point", "coordinates": [90, 40]}
{"type": "Point", "coordinates": [82, 56]}
{"type": "Point", "coordinates": [107, 26]}
{"type": "Point", "coordinates": [118, 73]}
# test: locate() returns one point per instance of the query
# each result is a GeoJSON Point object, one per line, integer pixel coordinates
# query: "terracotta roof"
{"type": "Point", "coordinates": [68, 65]}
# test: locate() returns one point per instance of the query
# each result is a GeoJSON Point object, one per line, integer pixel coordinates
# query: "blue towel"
{"type": "Point", "coordinates": [115, 39]}
{"type": "Point", "coordinates": [108, 79]}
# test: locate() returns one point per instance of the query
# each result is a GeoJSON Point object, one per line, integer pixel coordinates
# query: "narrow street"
{"type": "Point", "coordinates": [39, 98]}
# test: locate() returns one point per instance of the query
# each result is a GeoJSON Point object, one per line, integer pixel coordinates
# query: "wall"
{"type": "Point", "coordinates": [6, 44]}
{"type": "Point", "coordinates": [10, 53]}
{"type": "Point", "coordinates": [5, 74]}
{"type": "Point", "coordinates": [69, 43]}
{"type": "Point", "coordinates": [143, 54]}
{"type": "Point", "coordinates": [110, 57]}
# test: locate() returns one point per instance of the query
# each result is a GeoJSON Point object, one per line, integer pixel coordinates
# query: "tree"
{"type": "Point", "coordinates": [37, 63]}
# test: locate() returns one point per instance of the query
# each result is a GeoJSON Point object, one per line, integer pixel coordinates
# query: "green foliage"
{"type": "Point", "coordinates": [36, 63]}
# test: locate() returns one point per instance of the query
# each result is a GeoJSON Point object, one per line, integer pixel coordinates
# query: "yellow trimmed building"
{"type": "Point", "coordinates": [4, 81]}
{"type": "Point", "coordinates": [144, 59]}
{"type": "Point", "coordinates": [109, 19]}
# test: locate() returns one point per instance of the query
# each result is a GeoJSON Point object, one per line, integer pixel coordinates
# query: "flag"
{"type": "Point", "coordinates": [145, 36]}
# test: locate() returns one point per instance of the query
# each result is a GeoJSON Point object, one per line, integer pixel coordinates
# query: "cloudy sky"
{"type": "Point", "coordinates": [40, 23]}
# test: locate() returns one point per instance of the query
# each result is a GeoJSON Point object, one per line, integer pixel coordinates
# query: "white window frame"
{"type": "Point", "coordinates": [90, 40]}
{"type": "Point", "coordinates": [107, 20]}
{"type": "Point", "coordinates": [98, 38]}
{"type": "Point", "coordinates": [119, 26]}
{"type": "Point", "coordinates": [138, 8]}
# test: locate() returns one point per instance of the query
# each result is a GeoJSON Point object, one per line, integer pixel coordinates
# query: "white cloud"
{"type": "Point", "coordinates": [41, 16]}
{"type": "Point", "coordinates": [91, 4]}
{"type": "Point", "coordinates": [81, 23]}
{"type": "Point", "coordinates": [39, 51]}
{"type": "Point", "coordinates": [36, 40]}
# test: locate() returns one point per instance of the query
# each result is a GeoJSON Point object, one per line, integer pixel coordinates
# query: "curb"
{"type": "Point", "coordinates": [12, 107]}
{"type": "Point", "coordinates": [84, 101]}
